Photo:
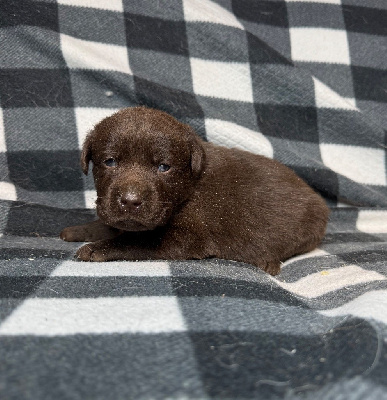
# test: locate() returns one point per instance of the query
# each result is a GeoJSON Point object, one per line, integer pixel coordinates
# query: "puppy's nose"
{"type": "Point", "coordinates": [131, 200]}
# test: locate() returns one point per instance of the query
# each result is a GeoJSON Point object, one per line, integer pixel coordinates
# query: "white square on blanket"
{"type": "Point", "coordinates": [87, 118]}
{"type": "Point", "coordinates": [319, 45]}
{"type": "Point", "coordinates": [90, 198]}
{"type": "Point", "coordinates": [361, 164]}
{"type": "Point", "coordinates": [229, 134]}
{"type": "Point", "coordinates": [328, 98]}
{"type": "Point", "coordinates": [372, 221]}
{"type": "Point", "coordinates": [227, 80]}
{"type": "Point", "coordinates": [85, 54]}
{"type": "Point", "coordinates": [8, 191]}
{"type": "Point", "coordinates": [209, 11]}
{"type": "Point", "coordinates": [102, 315]}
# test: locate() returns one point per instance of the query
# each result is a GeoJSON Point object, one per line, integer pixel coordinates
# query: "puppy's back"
{"type": "Point", "coordinates": [254, 208]}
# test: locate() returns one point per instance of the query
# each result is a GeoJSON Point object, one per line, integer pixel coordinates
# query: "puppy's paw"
{"type": "Point", "coordinates": [272, 267]}
{"type": "Point", "coordinates": [92, 252]}
{"type": "Point", "coordinates": [74, 234]}
{"type": "Point", "coordinates": [90, 232]}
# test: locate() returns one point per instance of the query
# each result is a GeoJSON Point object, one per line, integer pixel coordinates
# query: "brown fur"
{"type": "Point", "coordinates": [213, 202]}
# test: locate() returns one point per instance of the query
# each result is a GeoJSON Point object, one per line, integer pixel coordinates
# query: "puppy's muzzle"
{"type": "Point", "coordinates": [132, 205]}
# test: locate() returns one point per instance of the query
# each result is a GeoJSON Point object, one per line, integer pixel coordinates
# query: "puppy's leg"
{"type": "Point", "coordinates": [115, 249]}
{"type": "Point", "coordinates": [272, 267]}
{"type": "Point", "coordinates": [90, 232]}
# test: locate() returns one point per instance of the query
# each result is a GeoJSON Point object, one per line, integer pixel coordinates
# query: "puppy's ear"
{"type": "Point", "coordinates": [86, 153]}
{"type": "Point", "coordinates": [198, 155]}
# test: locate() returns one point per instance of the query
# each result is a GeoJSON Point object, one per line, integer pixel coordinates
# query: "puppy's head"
{"type": "Point", "coordinates": [145, 165]}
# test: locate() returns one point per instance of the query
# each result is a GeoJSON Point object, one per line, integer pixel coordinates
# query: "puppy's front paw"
{"type": "Point", "coordinates": [72, 234]}
{"type": "Point", "coordinates": [92, 252]}
{"type": "Point", "coordinates": [90, 232]}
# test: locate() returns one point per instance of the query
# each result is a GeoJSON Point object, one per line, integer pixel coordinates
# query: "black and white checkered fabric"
{"type": "Point", "coordinates": [301, 81]}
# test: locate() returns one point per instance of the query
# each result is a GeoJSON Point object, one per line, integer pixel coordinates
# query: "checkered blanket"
{"type": "Point", "coordinates": [301, 81]}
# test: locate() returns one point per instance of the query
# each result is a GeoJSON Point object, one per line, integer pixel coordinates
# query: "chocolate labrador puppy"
{"type": "Point", "coordinates": [163, 193]}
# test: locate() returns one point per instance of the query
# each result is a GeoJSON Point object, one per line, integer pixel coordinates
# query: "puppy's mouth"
{"type": "Point", "coordinates": [134, 221]}
{"type": "Point", "coordinates": [131, 225]}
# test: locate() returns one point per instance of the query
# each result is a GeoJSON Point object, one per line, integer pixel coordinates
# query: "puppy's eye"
{"type": "Point", "coordinates": [164, 168]}
{"type": "Point", "coordinates": [110, 162]}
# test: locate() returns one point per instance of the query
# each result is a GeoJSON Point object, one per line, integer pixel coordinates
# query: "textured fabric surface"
{"type": "Point", "coordinates": [303, 82]}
